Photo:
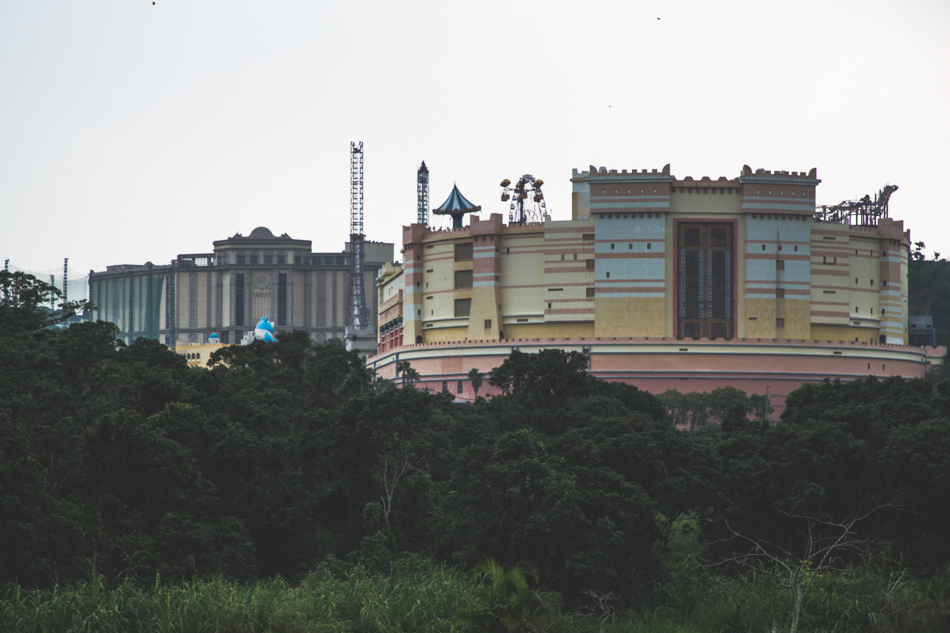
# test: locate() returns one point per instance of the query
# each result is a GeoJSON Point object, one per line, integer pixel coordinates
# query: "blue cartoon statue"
{"type": "Point", "coordinates": [264, 330]}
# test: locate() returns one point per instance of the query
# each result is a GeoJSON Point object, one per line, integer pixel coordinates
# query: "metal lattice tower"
{"type": "Point", "coordinates": [422, 194]}
{"type": "Point", "coordinates": [359, 314]}
{"type": "Point", "coordinates": [65, 280]}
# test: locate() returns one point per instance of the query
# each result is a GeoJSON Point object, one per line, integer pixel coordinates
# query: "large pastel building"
{"type": "Point", "coordinates": [664, 282]}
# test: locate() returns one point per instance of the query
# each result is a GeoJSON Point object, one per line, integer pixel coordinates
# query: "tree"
{"type": "Point", "coordinates": [504, 602]}
{"type": "Point", "coordinates": [475, 377]}
{"type": "Point", "coordinates": [24, 300]}
{"type": "Point", "coordinates": [409, 374]}
{"type": "Point", "coordinates": [798, 564]}
{"type": "Point", "coordinates": [546, 379]}
{"type": "Point", "coordinates": [525, 498]}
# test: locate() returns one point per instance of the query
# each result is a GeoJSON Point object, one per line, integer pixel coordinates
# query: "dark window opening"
{"type": "Point", "coordinates": [705, 280]}
{"type": "Point", "coordinates": [463, 279]}
{"type": "Point", "coordinates": [463, 307]}
{"type": "Point", "coordinates": [463, 252]}
{"type": "Point", "coordinates": [239, 299]}
{"type": "Point", "coordinates": [282, 299]}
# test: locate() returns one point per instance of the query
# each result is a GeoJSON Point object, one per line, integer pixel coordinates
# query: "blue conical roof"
{"type": "Point", "coordinates": [457, 203]}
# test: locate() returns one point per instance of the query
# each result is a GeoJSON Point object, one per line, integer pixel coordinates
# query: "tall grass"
{"type": "Point", "coordinates": [423, 598]}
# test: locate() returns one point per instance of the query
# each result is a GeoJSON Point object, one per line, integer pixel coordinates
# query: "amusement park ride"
{"type": "Point", "coordinates": [527, 200]}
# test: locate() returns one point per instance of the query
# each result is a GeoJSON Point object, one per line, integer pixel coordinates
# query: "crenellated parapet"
{"type": "Point", "coordinates": [764, 176]}
{"type": "Point", "coordinates": [602, 174]}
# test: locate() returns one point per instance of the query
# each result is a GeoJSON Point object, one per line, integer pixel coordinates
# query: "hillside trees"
{"type": "Point", "coordinates": [280, 456]}
{"type": "Point", "coordinates": [841, 447]}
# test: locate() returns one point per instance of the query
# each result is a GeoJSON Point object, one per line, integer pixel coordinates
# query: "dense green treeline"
{"type": "Point", "coordinates": [122, 464]}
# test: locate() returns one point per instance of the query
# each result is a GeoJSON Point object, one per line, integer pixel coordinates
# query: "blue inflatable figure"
{"type": "Point", "coordinates": [264, 331]}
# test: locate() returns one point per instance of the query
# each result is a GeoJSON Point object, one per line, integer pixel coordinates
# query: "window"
{"type": "Point", "coordinates": [463, 252]}
{"type": "Point", "coordinates": [281, 259]}
{"type": "Point", "coordinates": [590, 292]}
{"type": "Point", "coordinates": [648, 246]}
{"type": "Point", "coordinates": [463, 279]}
{"type": "Point", "coordinates": [458, 387]}
{"type": "Point", "coordinates": [487, 324]}
{"type": "Point", "coordinates": [587, 237]}
{"type": "Point", "coordinates": [780, 264]}
{"type": "Point", "coordinates": [590, 264]}
{"type": "Point", "coordinates": [282, 299]}
{"type": "Point", "coordinates": [242, 259]}
{"type": "Point", "coordinates": [463, 307]}
{"type": "Point", "coordinates": [611, 247]}
{"type": "Point", "coordinates": [255, 259]}
{"type": "Point", "coordinates": [239, 298]}
{"type": "Point", "coordinates": [780, 293]}
{"type": "Point", "coordinates": [445, 386]}
{"type": "Point", "coordinates": [268, 259]}
{"type": "Point", "coordinates": [780, 322]}
{"type": "Point", "coordinates": [608, 274]}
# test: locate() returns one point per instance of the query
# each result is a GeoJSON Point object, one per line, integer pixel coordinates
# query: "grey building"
{"type": "Point", "coordinates": [228, 290]}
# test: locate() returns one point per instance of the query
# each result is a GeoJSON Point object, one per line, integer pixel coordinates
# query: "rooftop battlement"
{"type": "Point", "coordinates": [706, 181]}
{"type": "Point", "coordinates": [812, 173]}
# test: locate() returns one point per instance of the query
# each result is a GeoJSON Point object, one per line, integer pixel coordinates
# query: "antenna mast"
{"type": "Point", "coordinates": [422, 193]}
{"type": "Point", "coordinates": [359, 314]}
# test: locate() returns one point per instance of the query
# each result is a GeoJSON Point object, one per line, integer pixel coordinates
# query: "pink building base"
{"type": "Point", "coordinates": [774, 366]}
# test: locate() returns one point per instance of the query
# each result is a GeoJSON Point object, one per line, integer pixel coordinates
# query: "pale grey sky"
{"type": "Point", "coordinates": [131, 132]}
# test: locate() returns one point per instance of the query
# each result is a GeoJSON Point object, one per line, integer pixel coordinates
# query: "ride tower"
{"type": "Point", "coordinates": [359, 332]}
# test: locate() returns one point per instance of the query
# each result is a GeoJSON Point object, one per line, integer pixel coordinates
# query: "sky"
{"type": "Point", "coordinates": [132, 131]}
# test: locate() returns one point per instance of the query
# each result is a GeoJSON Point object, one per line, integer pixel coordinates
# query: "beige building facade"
{"type": "Point", "coordinates": [227, 291]}
{"type": "Point", "coordinates": [656, 258]}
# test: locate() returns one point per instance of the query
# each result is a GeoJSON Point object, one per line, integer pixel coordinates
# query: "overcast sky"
{"type": "Point", "coordinates": [133, 131]}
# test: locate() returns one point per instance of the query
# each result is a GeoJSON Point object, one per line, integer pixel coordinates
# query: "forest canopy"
{"type": "Point", "coordinates": [279, 457]}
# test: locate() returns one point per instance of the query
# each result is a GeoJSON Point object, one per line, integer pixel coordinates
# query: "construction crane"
{"type": "Point", "coordinates": [358, 318]}
{"type": "Point", "coordinates": [863, 212]}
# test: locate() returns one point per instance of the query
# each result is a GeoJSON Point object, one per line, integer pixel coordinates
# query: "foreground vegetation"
{"type": "Point", "coordinates": [282, 488]}
{"type": "Point", "coordinates": [416, 597]}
